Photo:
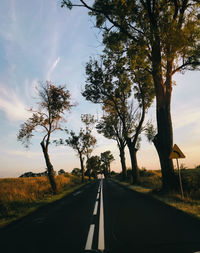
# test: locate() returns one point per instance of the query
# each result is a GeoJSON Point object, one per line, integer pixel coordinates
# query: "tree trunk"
{"type": "Point", "coordinates": [163, 143]}
{"type": "Point", "coordinates": [123, 162]}
{"type": "Point", "coordinates": [50, 170]}
{"type": "Point", "coordinates": [89, 172]}
{"type": "Point", "coordinates": [109, 171]}
{"type": "Point", "coordinates": [164, 138]}
{"type": "Point", "coordinates": [82, 168]}
{"type": "Point", "coordinates": [135, 170]}
{"type": "Point", "coordinates": [88, 169]}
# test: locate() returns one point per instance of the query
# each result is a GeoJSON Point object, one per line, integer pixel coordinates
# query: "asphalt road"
{"type": "Point", "coordinates": [103, 217]}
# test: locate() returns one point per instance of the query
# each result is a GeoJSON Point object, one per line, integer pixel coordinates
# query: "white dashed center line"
{"type": "Point", "coordinates": [101, 243]}
{"type": "Point", "coordinates": [90, 238]}
{"type": "Point", "coordinates": [95, 208]}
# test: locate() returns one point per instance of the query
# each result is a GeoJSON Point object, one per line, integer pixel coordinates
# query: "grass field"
{"type": "Point", "coordinates": [19, 196]}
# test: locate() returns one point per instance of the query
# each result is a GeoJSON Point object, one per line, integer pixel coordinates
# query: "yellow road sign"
{"type": "Point", "coordinates": [176, 153]}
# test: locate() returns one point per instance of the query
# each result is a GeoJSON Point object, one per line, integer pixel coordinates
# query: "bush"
{"type": "Point", "coordinates": [191, 182]}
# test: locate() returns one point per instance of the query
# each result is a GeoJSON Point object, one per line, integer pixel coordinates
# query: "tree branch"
{"type": "Point", "coordinates": [109, 19]}
{"type": "Point", "coordinates": [185, 65]}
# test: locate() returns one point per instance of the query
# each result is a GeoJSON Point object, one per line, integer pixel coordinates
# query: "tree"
{"type": "Point", "coordinates": [106, 159]}
{"type": "Point", "coordinates": [61, 172]}
{"type": "Point", "coordinates": [111, 127]}
{"type": "Point", "coordinates": [77, 142]}
{"type": "Point", "coordinates": [89, 122]}
{"type": "Point", "coordinates": [93, 166]}
{"type": "Point", "coordinates": [163, 37]}
{"type": "Point", "coordinates": [110, 82]}
{"type": "Point", "coordinates": [54, 102]}
{"type": "Point", "coordinates": [76, 172]}
{"type": "Point", "coordinates": [83, 143]}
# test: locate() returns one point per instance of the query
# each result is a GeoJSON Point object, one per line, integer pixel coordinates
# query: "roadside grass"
{"type": "Point", "coordinates": [21, 196]}
{"type": "Point", "coordinates": [150, 183]}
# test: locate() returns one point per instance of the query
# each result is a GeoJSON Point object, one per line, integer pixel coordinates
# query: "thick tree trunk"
{"type": "Point", "coordinates": [82, 168]}
{"type": "Point", "coordinates": [105, 171]}
{"type": "Point", "coordinates": [163, 143]}
{"type": "Point", "coordinates": [164, 138]}
{"type": "Point", "coordinates": [123, 162]}
{"type": "Point", "coordinates": [135, 169]}
{"type": "Point", "coordinates": [50, 170]}
{"type": "Point", "coordinates": [89, 176]}
{"type": "Point", "coordinates": [109, 171]}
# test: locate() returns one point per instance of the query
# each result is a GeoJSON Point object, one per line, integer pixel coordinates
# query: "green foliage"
{"type": "Point", "coordinates": [110, 82]}
{"type": "Point", "coordinates": [54, 101]}
{"type": "Point", "coordinates": [158, 37]}
{"type": "Point", "coordinates": [111, 127]}
{"type": "Point", "coordinates": [174, 25]}
{"type": "Point", "coordinates": [150, 132]}
{"type": "Point", "coordinates": [106, 159]}
{"type": "Point", "coordinates": [66, 3]}
{"type": "Point", "coordinates": [90, 141]}
{"type": "Point", "coordinates": [76, 172]}
{"type": "Point", "coordinates": [83, 142]}
{"type": "Point", "coordinates": [191, 182]}
{"type": "Point", "coordinates": [61, 172]}
{"type": "Point", "coordinates": [93, 165]}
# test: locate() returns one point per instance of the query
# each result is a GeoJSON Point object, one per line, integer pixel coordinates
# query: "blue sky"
{"type": "Point", "coordinates": [40, 41]}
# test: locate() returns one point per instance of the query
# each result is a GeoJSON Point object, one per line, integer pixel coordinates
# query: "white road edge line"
{"type": "Point", "coordinates": [101, 243]}
{"type": "Point", "coordinates": [98, 195]}
{"type": "Point", "coordinates": [88, 245]}
{"type": "Point", "coordinates": [95, 208]}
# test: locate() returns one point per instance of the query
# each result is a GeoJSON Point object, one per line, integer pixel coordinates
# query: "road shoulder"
{"type": "Point", "coordinates": [187, 206]}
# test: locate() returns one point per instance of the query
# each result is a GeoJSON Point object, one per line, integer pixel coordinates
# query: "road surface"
{"type": "Point", "coordinates": [103, 217]}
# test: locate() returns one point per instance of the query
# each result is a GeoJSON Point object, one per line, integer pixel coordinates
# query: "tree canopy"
{"type": "Point", "coordinates": [53, 103]}
{"type": "Point", "coordinates": [163, 38]}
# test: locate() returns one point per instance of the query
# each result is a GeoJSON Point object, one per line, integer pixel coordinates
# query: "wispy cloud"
{"type": "Point", "coordinates": [26, 154]}
{"type": "Point", "coordinates": [12, 105]}
{"type": "Point", "coordinates": [187, 117]}
{"type": "Point", "coordinates": [49, 73]}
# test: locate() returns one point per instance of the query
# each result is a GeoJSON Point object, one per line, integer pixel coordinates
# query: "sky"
{"type": "Point", "coordinates": [41, 41]}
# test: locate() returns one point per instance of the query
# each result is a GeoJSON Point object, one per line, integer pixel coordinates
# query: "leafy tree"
{"type": "Point", "coordinates": [89, 122]}
{"type": "Point", "coordinates": [110, 82]}
{"type": "Point", "coordinates": [83, 142]}
{"type": "Point", "coordinates": [93, 166]}
{"type": "Point", "coordinates": [111, 127]}
{"type": "Point", "coordinates": [78, 143]}
{"type": "Point", "coordinates": [54, 102]}
{"type": "Point", "coordinates": [76, 172]}
{"type": "Point", "coordinates": [163, 37]}
{"type": "Point", "coordinates": [61, 172]}
{"type": "Point", "coordinates": [106, 159]}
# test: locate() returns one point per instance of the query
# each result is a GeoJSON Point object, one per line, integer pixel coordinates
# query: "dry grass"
{"type": "Point", "coordinates": [137, 188]}
{"type": "Point", "coordinates": [30, 189]}
{"type": "Point", "coordinates": [150, 179]}
{"type": "Point", "coordinates": [187, 205]}
{"type": "Point", "coordinates": [20, 195]}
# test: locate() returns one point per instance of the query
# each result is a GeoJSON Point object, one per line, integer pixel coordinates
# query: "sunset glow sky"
{"type": "Point", "coordinates": [40, 41]}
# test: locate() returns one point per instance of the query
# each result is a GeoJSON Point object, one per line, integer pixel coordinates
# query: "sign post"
{"type": "Point", "coordinates": [177, 154]}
